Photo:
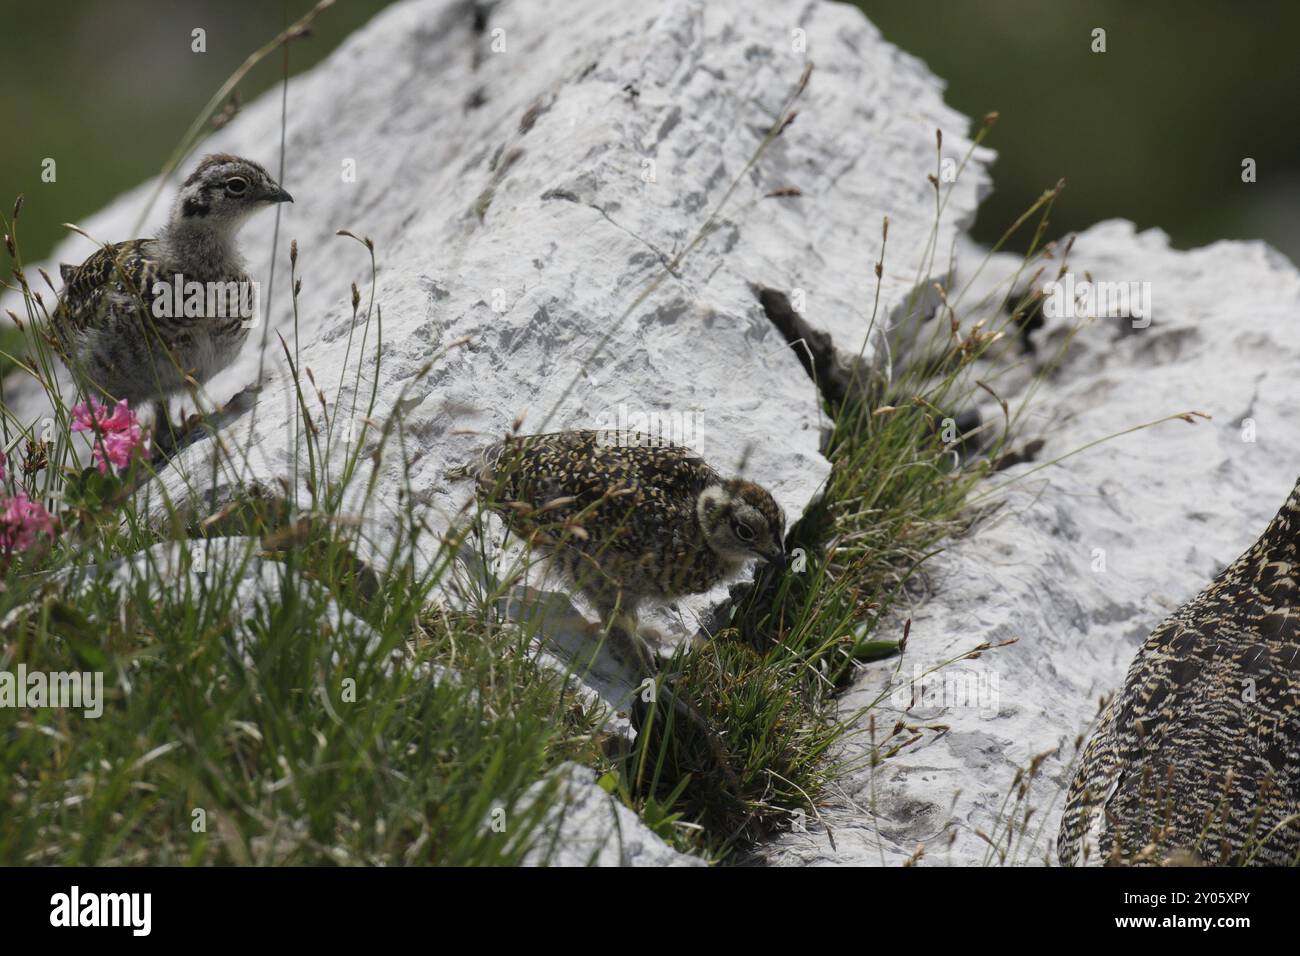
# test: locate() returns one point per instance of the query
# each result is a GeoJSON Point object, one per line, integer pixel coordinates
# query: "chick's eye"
{"type": "Point", "coordinates": [743, 531]}
{"type": "Point", "coordinates": [235, 186]}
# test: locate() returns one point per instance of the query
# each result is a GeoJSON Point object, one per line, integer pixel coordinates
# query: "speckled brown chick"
{"type": "Point", "coordinates": [627, 516]}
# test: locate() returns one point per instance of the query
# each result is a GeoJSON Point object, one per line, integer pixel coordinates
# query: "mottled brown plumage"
{"type": "Point", "coordinates": [1198, 755]}
{"type": "Point", "coordinates": [627, 516]}
{"type": "Point", "coordinates": [106, 326]}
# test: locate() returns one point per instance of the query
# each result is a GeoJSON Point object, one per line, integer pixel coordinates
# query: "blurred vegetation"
{"type": "Point", "coordinates": [1152, 130]}
{"type": "Point", "coordinates": [107, 90]}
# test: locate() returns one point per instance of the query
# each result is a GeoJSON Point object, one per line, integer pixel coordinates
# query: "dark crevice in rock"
{"type": "Point", "coordinates": [562, 194]}
{"type": "Point", "coordinates": [480, 16]}
{"type": "Point", "coordinates": [531, 114]}
{"type": "Point", "coordinates": [1028, 320]}
{"type": "Point", "coordinates": [1027, 453]}
{"type": "Point", "coordinates": [480, 13]}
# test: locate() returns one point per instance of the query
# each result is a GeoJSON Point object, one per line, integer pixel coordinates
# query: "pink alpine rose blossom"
{"type": "Point", "coordinates": [21, 521]}
{"type": "Point", "coordinates": [119, 435]}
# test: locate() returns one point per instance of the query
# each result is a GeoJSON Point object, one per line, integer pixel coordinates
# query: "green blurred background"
{"type": "Point", "coordinates": [1153, 130]}
{"type": "Point", "coordinates": [107, 88]}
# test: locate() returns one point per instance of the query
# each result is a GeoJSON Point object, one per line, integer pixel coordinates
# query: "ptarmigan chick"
{"type": "Point", "coordinates": [628, 517]}
{"type": "Point", "coordinates": [116, 335]}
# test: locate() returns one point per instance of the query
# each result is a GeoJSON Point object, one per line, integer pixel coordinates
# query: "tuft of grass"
{"type": "Point", "coordinates": [297, 741]}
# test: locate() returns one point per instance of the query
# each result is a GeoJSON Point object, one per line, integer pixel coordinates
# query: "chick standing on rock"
{"type": "Point", "coordinates": [628, 517]}
{"type": "Point", "coordinates": [109, 327]}
{"type": "Point", "coordinates": [1198, 756]}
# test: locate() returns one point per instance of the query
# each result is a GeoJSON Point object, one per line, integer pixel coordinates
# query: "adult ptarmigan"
{"type": "Point", "coordinates": [1197, 758]}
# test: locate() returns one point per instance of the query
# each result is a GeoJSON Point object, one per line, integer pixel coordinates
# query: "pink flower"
{"type": "Point", "coordinates": [20, 521]}
{"type": "Point", "coordinates": [118, 433]}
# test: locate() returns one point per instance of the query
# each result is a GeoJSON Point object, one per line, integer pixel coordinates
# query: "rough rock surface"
{"type": "Point", "coordinates": [588, 827]}
{"type": "Point", "coordinates": [1084, 558]}
{"type": "Point", "coordinates": [528, 172]}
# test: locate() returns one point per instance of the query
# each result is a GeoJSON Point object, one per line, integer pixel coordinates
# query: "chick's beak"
{"type": "Point", "coordinates": [777, 558]}
{"type": "Point", "coordinates": [279, 194]}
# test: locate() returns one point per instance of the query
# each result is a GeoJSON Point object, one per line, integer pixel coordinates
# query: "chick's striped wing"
{"type": "Point", "coordinates": [598, 479]}
{"type": "Point", "coordinates": [115, 277]}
